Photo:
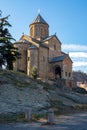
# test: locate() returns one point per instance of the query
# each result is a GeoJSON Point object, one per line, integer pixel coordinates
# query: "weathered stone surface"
{"type": "Point", "coordinates": [19, 92]}
{"type": "Point", "coordinates": [13, 99]}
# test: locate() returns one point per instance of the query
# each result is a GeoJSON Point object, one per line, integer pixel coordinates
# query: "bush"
{"type": "Point", "coordinates": [34, 72]}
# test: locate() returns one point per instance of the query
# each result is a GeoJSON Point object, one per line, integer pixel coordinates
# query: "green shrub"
{"type": "Point", "coordinates": [34, 72]}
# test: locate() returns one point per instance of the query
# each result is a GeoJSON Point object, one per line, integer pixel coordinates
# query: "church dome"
{"type": "Point", "coordinates": [39, 19]}
{"type": "Point", "coordinates": [39, 28]}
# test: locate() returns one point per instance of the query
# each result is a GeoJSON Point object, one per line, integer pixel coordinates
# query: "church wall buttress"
{"type": "Point", "coordinates": [21, 64]}
{"type": "Point", "coordinates": [32, 60]}
{"type": "Point", "coordinates": [43, 63]}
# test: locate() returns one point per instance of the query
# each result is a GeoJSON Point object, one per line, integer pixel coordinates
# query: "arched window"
{"type": "Point", "coordinates": [66, 74]}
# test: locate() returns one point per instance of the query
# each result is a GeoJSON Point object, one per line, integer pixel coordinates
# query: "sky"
{"type": "Point", "coordinates": [66, 18]}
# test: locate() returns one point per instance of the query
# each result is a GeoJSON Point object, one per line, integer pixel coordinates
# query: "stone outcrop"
{"type": "Point", "coordinates": [19, 92]}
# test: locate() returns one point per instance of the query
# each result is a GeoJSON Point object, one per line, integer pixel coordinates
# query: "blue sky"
{"type": "Point", "coordinates": [66, 18]}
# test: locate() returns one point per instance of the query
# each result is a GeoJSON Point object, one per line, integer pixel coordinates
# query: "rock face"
{"type": "Point", "coordinates": [13, 99]}
{"type": "Point", "coordinates": [19, 93]}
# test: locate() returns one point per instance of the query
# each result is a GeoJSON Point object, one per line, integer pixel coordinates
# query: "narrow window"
{"type": "Point", "coordinates": [41, 31]}
{"type": "Point", "coordinates": [36, 31]}
{"type": "Point", "coordinates": [54, 47]}
{"type": "Point", "coordinates": [69, 74]}
{"type": "Point", "coordinates": [66, 74]}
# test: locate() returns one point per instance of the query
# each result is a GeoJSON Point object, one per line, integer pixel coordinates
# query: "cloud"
{"type": "Point", "coordinates": [78, 54]}
{"type": "Point", "coordinates": [79, 58]}
{"type": "Point", "coordinates": [79, 63]}
{"type": "Point", "coordinates": [73, 47]}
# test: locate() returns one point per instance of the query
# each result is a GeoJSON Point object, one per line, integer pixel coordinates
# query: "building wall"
{"type": "Point", "coordinates": [32, 60]}
{"type": "Point", "coordinates": [39, 57]}
{"type": "Point", "coordinates": [54, 48]}
{"type": "Point", "coordinates": [67, 68]}
{"type": "Point", "coordinates": [21, 64]}
{"type": "Point", "coordinates": [39, 31]}
{"type": "Point", "coordinates": [43, 62]}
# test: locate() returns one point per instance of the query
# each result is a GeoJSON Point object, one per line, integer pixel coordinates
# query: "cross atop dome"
{"type": "Point", "coordinates": [38, 11]}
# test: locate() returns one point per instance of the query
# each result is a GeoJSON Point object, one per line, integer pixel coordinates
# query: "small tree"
{"type": "Point", "coordinates": [34, 72]}
{"type": "Point", "coordinates": [7, 49]}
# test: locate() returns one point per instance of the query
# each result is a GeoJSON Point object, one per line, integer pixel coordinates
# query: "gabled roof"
{"type": "Point", "coordinates": [39, 19]}
{"type": "Point", "coordinates": [57, 59]}
{"type": "Point", "coordinates": [50, 37]}
{"type": "Point", "coordinates": [33, 47]}
{"type": "Point", "coordinates": [33, 40]}
{"type": "Point", "coordinates": [23, 41]}
{"type": "Point", "coordinates": [44, 45]}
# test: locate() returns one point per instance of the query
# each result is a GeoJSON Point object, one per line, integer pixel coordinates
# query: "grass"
{"type": "Point", "coordinates": [81, 107]}
{"type": "Point", "coordinates": [47, 86]}
{"type": "Point", "coordinates": [20, 117]}
{"type": "Point", "coordinates": [22, 80]}
{"type": "Point", "coordinates": [12, 117]}
{"type": "Point", "coordinates": [16, 78]}
{"type": "Point", "coordinates": [58, 106]}
{"type": "Point", "coordinates": [36, 117]}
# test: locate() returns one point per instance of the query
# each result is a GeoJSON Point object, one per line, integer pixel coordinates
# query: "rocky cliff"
{"type": "Point", "coordinates": [18, 92]}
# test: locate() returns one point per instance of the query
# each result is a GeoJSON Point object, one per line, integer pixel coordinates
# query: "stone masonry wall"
{"type": "Point", "coordinates": [54, 48]}
{"type": "Point", "coordinates": [21, 64]}
{"type": "Point", "coordinates": [43, 62]}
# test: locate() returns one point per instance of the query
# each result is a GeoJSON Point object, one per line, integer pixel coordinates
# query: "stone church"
{"type": "Point", "coordinates": [40, 50]}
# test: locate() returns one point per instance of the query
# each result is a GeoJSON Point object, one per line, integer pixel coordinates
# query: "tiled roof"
{"type": "Point", "coordinates": [57, 59]}
{"type": "Point", "coordinates": [39, 19]}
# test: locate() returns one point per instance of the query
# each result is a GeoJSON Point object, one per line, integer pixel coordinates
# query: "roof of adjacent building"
{"type": "Point", "coordinates": [57, 59]}
{"type": "Point", "coordinates": [39, 19]}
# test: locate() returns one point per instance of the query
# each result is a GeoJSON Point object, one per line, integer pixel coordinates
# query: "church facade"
{"type": "Point", "coordinates": [42, 51]}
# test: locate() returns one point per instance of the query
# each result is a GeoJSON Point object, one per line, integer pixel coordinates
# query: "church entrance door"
{"type": "Point", "coordinates": [57, 72]}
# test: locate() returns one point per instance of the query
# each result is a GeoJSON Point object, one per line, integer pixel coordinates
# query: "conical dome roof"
{"type": "Point", "coordinates": [39, 19]}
